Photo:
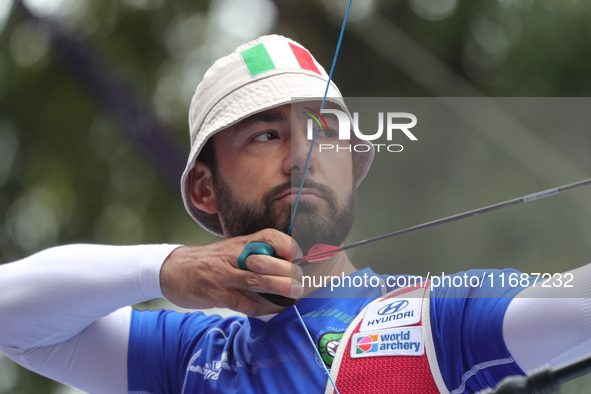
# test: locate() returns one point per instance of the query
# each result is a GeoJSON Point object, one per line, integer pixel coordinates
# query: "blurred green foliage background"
{"type": "Point", "coordinates": [78, 165]}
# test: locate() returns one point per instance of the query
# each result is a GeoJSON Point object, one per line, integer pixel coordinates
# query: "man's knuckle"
{"type": "Point", "coordinates": [253, 280]}
{"type": "Point", "coordinates": [268, 235]}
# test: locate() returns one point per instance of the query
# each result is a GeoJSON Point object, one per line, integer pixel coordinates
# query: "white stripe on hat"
{"type": "Point", "coordinates": [281, 54]}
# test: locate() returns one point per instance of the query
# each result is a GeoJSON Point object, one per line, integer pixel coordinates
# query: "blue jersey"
{"type": "Point", "coordinates": [171, 352]}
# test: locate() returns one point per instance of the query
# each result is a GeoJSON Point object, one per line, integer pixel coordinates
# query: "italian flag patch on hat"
{"type": "Point", "coordinates": [276, 55]}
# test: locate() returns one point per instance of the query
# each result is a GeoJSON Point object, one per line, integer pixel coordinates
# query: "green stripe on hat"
{"type": "Point", "coordinates": [257, 60]}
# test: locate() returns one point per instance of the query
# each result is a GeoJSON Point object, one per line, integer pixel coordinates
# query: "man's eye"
{"type": "Point", "coordinates": [265, 136]}
{"type": "Point", "coordinates": [327, 133]}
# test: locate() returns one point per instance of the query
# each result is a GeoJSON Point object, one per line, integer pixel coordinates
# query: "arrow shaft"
{"type": "Point", "coordinates": [450, 219]}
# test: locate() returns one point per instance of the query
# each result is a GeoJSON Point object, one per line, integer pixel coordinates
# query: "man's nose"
{"type": "Point", "coordinates": [300, 150]}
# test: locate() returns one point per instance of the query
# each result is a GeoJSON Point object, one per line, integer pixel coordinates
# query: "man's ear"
{"type": "Point", "coordinates": [201, 185]}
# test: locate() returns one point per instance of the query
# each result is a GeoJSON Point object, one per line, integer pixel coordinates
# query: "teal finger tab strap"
{"type": "Point", "coordinates": [254, 248]}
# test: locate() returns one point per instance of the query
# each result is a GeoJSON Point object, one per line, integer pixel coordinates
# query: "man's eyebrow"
{"type": "Point", "coordinates": [263, 117]}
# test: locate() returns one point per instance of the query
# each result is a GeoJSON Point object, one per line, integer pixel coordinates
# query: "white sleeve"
{"type": "Point", "coordinates": [64, 314]}
{"type": "Point", "coordinates": [550, 325]}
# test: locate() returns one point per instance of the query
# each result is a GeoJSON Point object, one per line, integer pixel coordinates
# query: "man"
{"type": "Point", "coordinates": [65, 312]}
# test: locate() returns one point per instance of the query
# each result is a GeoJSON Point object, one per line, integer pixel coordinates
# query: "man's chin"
{"type": "Point", "coordinates": [319, 208]}
{"type": "Point", "coordinates": [305, 214]}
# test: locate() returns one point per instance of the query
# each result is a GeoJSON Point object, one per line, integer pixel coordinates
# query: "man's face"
{"type": "Point", "coordinates": [260, 164]}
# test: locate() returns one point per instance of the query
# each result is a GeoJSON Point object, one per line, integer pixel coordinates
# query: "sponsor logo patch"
{"type": "Point", "coordinates": [394, 312]}
{"type": "Point", "coordinates": [406, 341]}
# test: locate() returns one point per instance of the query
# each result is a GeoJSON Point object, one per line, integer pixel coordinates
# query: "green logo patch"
{"type": "Point", "coordinates": [328, 344]}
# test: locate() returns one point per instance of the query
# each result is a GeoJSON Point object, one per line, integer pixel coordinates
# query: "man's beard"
{"type": "Point", "coordinates": [309, 227]}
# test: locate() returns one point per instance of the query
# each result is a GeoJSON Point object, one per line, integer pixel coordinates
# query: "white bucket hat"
{"type": "Point", "coordinates": [259, 75]}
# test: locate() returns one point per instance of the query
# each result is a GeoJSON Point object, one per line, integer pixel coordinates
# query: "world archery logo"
{"type": "Point", "coordinates": [318, 118]}
{"type": "Point", "coordinates": [328, 344]}
{"type": "Point", "coordinates": [366, 344]}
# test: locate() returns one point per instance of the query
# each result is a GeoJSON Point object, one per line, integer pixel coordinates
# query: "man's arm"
{"type": "Point", "coordinates": [550, 324]}
{"type": "Point", "coordinates": [60, 309]}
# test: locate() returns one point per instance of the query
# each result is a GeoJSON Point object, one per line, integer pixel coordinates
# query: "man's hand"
{"type": "Point", "coordinates": [199, 277]}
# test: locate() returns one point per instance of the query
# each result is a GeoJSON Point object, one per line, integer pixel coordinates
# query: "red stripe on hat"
{"type": "Point", "coordinates": [304, 58]}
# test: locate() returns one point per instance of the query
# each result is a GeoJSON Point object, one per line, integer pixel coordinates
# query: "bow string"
{"type": "Point", "coordinates": [297, 201]}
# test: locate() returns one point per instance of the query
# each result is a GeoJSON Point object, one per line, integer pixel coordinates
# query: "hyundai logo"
{"type": "Point", "coordinates": [393, 307]}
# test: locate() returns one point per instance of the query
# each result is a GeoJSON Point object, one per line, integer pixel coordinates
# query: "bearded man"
{"type": "Point", "coordinates": [65, 312]}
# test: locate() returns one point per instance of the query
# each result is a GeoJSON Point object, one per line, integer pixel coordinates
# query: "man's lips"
{"type": "Point", "coordinates": [305, 192]}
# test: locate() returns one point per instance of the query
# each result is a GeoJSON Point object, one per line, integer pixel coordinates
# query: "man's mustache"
{"type": "Point", "coordinates": [272, 194]}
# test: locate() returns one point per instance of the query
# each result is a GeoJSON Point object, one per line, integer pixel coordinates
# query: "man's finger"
{"type": "Point", "coordinates": [280, 285]}
{"type": "Point", "coordinates": [285, 246]}
{"type": "Point", "coordinates": [268, 265]}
